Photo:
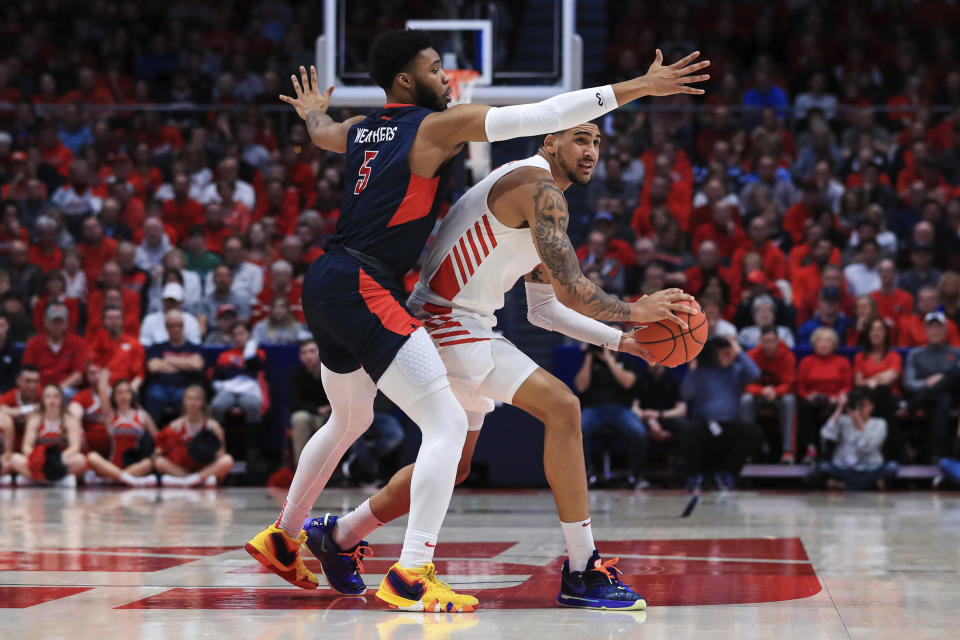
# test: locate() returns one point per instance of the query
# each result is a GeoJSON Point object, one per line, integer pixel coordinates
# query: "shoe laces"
{"type": "Point", "coordinates": [430, 575]}
{"type": "Point", "coordinates": [608, 569]}
{"type": "Point", "coordinates": [357, 555]}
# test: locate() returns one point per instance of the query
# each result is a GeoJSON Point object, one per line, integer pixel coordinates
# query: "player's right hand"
{"type": "Point", "coordinates": [308, 93]}
{"type": "Point", "coordinates": [665, 80]}
{"type": "Point", "coordinates": [661, 305]}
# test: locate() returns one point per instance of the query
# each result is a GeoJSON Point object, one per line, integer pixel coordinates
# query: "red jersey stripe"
{"type": "Point", "coordinates": [493, 240]}
{"type": "Point", "coordinates": [445, 283]}
{"type": "Point", "coordinates": [449, 334]}
{"type": "Point", "coordinates": [466, 257]}
{"type": "Point", "coordinates": [418, 200]}
{"type": "Point", "coordinates": [461, 341]}
{"type": "Point", "coordinates": [382, 304]}
{"type": "Point", "coordinates": [444, 325]}
{"type": "Point", "coordinates": [463, 272]}
{"type": "Point", "coordinates": [429, 307]}
{"type": "Point", "coordinates": [483, 244]}
{"type": "Point", "coordinates": [473, 245]}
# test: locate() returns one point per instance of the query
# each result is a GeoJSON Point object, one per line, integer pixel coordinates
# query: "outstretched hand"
{"type": "Point", "coordinates": [667, 80]}
{"type": "Point", "coordinates": [308, 93]}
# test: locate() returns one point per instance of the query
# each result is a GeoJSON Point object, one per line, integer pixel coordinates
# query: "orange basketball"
{"type": "Point", "coordinates": [668, 343]}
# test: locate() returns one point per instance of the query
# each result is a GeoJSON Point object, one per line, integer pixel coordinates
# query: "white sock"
{"type": "Point", "coordinates": [191, 480]}
{"type": "Point", "coordinates": [168, 480]}
{"type": "Point", "coordinates": [127, 478]}
{"type": "Point", "coordinates": [580, 545]}
{"type": "Point", "coordinates": [417, 549]}
{"type": "Point", "coordinates": [354, 527]}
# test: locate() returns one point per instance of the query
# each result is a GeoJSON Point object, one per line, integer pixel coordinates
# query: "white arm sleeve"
{"type": "Point", "coordinates": [546, 312]}
{"type": "Point", "coordinates": [549, 116]}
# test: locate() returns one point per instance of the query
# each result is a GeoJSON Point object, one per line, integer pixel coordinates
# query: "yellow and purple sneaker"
{"type": "Point", "coordinates": [280, 552]}
{"type": "Point", "coordinates": [597, 587]}
{"type": "Point", "coordinates": [420, 590]}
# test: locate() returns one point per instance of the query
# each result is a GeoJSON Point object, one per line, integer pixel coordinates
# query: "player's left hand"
{"type": "Point", "coordinates": [308, 93]}
{"type": "Point", "coordinates": [629, 345]}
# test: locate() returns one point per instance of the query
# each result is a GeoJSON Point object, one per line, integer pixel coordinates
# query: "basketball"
{"type": "Point", "coordinates": [670, 345]}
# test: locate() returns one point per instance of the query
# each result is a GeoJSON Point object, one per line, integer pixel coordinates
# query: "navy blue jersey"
{"type": "Point", "coordinates": [387, 212]}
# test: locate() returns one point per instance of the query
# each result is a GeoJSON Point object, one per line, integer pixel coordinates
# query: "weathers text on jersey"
{"type": "Point", "coordinates": [380, 134]}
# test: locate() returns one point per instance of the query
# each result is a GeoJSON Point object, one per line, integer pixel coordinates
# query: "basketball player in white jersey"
{"type": "Point", "coordinates": [513, 223]}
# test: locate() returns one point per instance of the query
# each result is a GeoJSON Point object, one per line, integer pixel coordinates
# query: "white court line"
{"type": "Point", "coordinates": [708, 558]}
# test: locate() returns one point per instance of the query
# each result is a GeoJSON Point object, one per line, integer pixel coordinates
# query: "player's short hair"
{"type": "Point", "coordinates": [542, 139]}
{"type": "Point", "coordinates": [393, 51]}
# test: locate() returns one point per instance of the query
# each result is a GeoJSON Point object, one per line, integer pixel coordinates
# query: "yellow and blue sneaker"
{"type": "Point", "coordinates": [342, 569]}
{"type": "Point", "coordinates": [280, 552]}
{"type": "Point", "coordinates": [597, 587]}
{"type": "Point", "coordinates": [420, 590]}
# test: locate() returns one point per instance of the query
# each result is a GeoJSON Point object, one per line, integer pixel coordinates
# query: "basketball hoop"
{"type": "Point", "coordinates": [462, 82]}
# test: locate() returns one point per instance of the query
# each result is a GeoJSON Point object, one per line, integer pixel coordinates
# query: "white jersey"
{"type": "Point", "coordinates": [475, 259]}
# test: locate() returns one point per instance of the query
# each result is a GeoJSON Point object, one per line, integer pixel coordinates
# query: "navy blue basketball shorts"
{"type": "Point", "coordinates": [356, 314]}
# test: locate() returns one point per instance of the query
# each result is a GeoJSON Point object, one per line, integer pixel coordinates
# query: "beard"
{"type": "Point", "coordinates": [429, 99]}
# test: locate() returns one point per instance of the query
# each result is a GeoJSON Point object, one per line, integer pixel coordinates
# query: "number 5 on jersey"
{"type": "Point", "coordinates": [364, 172]}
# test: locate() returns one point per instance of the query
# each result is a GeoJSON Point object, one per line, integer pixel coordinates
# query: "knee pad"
{"type": "Point", "coordinates": [416, 371]}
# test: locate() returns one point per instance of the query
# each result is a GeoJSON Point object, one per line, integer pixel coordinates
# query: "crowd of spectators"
{"type": "Point", "coordinates": [811, 201]}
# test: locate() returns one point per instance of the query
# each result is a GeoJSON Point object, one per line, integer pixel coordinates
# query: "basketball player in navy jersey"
{"type": "Point", "coordinates": [396, 161]}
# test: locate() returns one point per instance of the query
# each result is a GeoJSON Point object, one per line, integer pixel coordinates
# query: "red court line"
{"type": "Point", "coordinates": [172, 551]}
{"type": "Point", "coordinates": [760, 548]}
{"type": "Point", "coordinates": [23, 597]}
{"type": "Point", "coordinates": [59, 561]}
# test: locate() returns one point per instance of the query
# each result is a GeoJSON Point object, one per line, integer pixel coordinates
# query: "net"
{"type": "Point", "coordinates": [462, 82]}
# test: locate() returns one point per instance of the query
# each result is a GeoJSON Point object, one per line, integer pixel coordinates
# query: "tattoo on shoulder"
{"type": "Point", "coordinates": [551, 218]}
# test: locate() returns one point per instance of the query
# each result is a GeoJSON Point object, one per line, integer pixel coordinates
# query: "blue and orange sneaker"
{"type": "Point", "coordinates": [421, 590]}
{"type": "Point", "coordinates": [341, 568]}
{"type": "Point", "coordinates": [279, 552]}
{"type": "Point", "coordinates": [597, 587]}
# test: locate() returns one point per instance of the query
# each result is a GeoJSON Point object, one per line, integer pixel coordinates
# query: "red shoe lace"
{"type": "Point", "coordinates": [605, 568]}
{"type": "Point", "coordinates": [358, 554]}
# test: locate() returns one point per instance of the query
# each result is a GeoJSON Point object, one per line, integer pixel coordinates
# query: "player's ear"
{"type": "Point", "coordinates": [404, 79]}
{"type": "Point", "coordinates": [550, 142]}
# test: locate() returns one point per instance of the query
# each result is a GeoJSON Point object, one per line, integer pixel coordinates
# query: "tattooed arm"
{"type": "Point", "coordinates": [546, 212]}
{"type": "Point", "coordinates": [311, 105]}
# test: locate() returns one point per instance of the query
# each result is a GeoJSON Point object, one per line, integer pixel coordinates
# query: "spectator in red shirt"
{"type": "Point", "coordinates": [708, 265]}
{"type": "Point", "coordinates": [95, 248]}
{"type": "Point", "coordinates": [775, 387]}
{"type": "Point", "coordinates": [182, 212]}
{"type": "Point", "coordinates": [132, 277]}
{"type": "Point", "coordinates": [281, 203]}
{"type": "Point", "coordinates": [807, 281]}
{"type": "Point", "coordinates": [823, 380]}
{"type": "Point", "coordinates": [879, 368]}
{"type": "Point", "coordinates": [892, 302]}
{"type": "Point", "coordinates": [283, 284]}
{"type": "Point", "coordinates": [617, 248]}
{"type": "Point", "coordinates": [120, 353]}
{"type": "Point", "coordinates": [774, 262]}
{"type": "Point", "coordinates": [112, 278]}
{"type": "Point", "coordinates": [723, 231]}
{"type": "Point", "coordinates": [217, 231]}
{"type": "Point", "coordinates": [912, 332]}
{"type": "Point", "coordinates": [88, 90]}
{"type": "Point", "coordinates": [802, 213]}
{"type": "Point", "coordinates": [655, 201]}
{"type": "Point", "coordinates": [55, 290]}
{"type": "Point", "coordinates": [55, 153]}
{"type": "Point", "coordinates": [46, 253]}
{"type": "Point", "coordinates": [59, 355]}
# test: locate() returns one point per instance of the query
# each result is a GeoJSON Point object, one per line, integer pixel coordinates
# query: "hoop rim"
{"type": "Point", "coordinates": [462, 82]}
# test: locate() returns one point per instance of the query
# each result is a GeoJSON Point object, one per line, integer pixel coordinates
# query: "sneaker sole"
{"type": "Point", "coordinates": [639, 605]}
{"type": "Point", "coordinates": [402, 604]}
{"type": "Point", "coordinates": [290, 575]}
